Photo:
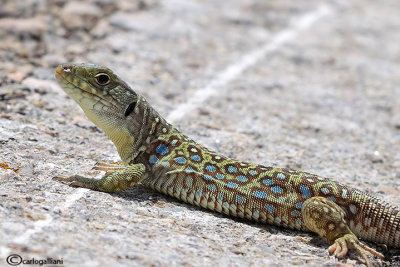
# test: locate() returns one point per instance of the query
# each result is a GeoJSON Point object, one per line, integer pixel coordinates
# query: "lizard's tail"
{"type": "Point", "coordinates": [378, 222]}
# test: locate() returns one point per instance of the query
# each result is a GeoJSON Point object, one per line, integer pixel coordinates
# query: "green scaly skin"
{"type": "Point", "coordinates": [157, 155]}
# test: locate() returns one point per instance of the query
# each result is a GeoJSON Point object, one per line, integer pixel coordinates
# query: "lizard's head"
{"type": "Point", "coordinates": [106, 100]}
{"type": "Point", "coordinates": [96, 88]}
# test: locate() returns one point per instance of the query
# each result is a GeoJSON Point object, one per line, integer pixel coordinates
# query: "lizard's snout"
{"type": "Point", "coordinates": [59, 69]}
{"type": "Point", "coordinates": [63, 69]}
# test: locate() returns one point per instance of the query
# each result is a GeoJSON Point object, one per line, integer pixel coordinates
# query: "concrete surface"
{"type": "Point", "coordinates": [311, 85]}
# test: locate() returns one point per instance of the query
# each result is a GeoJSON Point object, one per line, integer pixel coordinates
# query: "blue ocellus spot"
{"type": "Point", "coordinates": [232, 185]}
{"type": "Point", "coordinates": [281, 176]}
{"type": "Point", "coordinates": [270, 208]}
{"type": "Point", "coordinates": [162, 149]}
{"type": "Point", "coordinates": [219, 176]}
{"type": "Point", "coordinates": [232, 169]}
{"type": "Point", "coordinates": [153, 159]}
{"type": "Point", "coordinates": [325, 190]}
{"type": "Point", "coordinates": [260, 194]}
{"type": "Point", "coordinates": [332, 198]}
{"type": "Point", "coordinates": [299, 205]}
{"type": "Point", "coordinates": [305, 191]}
{"type": "Point", "coordinates": [241, 178]}
{"type": "Point", "coordinates": [267, 182]}
{"type": "Point", "coordinates": [180, 160]}
{"type": "Point", "coordinates": [211, 168]}
{"type": "Point", "coordinates": [189, 170]}
{"type": "Point", "coordinates": [295, 213]}
{"type": "Point", "coordinates": [164, 164]}
{"type": "Point", "coordinates": [211, 187]}
{"type": "Point", "coordinates": [240, 199]}
{"type": "Point", "coordinates": [207, 177]}
{"type": "Point", "coordinates": [199, 193]}
{"type": "Point", "coordinates": [256, 213]}
{"type": "Point", "coordinates": [276, 189]}
{"type": "Point", "coordinates": [195, 158]}
{"type": "Point", "coordinates": [252, 172]}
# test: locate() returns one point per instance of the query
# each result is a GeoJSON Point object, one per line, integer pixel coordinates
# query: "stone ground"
{"type": "Point", "coordinates": [311, 85]}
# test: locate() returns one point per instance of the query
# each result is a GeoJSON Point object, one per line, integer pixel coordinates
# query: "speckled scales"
{"type": "Point", "coordinates": [160, 157]}
{"type": "Point", "coordinates": [265, 194]}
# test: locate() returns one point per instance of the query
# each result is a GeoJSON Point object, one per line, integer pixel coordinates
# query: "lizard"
{"type": "Point", "coordinates": [160, 157]}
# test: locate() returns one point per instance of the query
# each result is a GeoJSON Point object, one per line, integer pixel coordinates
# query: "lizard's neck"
{"type": "Point", "coordinates": [153, 128]}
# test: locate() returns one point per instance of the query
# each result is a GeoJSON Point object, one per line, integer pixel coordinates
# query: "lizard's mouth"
{"type": "Point", "coordinates": [72, 85]}
{"type": "Point", "coordinates": [71, 82]}
{"type": "Point", "coordinates": [81, 91]}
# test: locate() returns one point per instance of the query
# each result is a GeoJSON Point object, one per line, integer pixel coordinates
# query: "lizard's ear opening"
{"type": "Point", "coordinates": [130, 108]}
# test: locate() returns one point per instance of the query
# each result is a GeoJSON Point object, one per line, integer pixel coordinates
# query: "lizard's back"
{"type": "Point", "coordinates": [190, 172]}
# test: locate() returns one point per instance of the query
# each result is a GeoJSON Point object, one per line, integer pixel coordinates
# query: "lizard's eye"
{"type": "Point", "coordinates": [102, 78]}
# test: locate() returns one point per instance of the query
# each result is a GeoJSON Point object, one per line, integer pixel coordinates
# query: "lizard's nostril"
{"type": "Point", "coordinates": [59, 70]}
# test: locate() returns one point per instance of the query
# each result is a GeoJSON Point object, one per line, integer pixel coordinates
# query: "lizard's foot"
{"type": "Point", "coordinates": [326, 218]}
{"type": "Point", "coordinates": [120, 179]}
{"type": "Point", "coordinates": [349, 241]}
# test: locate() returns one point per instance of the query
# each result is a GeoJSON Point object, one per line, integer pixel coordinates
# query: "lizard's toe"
{"type": "Point", "coordinates": [71, 181]}
{"type": "Point", "coordinates": [342, 245]}
{"type": "Point", "coordinates": [339, 248]}
{"type": "Point", "coordinates": [108, 167]}
{"type": "Point", "coordinates": [62, 179]}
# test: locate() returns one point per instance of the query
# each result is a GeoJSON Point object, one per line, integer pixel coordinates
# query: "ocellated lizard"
{"type": "Point", "coordinates": [160, 157]}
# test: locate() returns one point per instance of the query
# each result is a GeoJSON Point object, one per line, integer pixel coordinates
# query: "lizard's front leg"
{"type": "Point", "coordinates": [119, 180]}
{"type": "Point", "coordinates": [326, 218]}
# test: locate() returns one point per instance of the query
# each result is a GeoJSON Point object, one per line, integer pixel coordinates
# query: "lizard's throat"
{"type": "Point", "coordinates": [117, 131]}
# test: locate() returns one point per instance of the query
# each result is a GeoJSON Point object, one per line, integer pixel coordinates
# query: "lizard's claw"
{"type": "Point", "coordinates": [71, 181]}
{"type": "Point", "coordinates": [108, 167]}
{"type": "Point", "coordinates": [342, 245]}
{"type": "Point", "coordinates": [62, 179]}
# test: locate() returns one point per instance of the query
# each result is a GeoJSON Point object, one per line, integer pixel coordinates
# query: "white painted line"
{"type": "Point", "coordinates": [195, 101]}
{"type": "Point", "coordinates": [40, 224]}
{"type": "Point", "coordinates": [79, 192]}
{"type": "Point", "coordinates": [248, 60]}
